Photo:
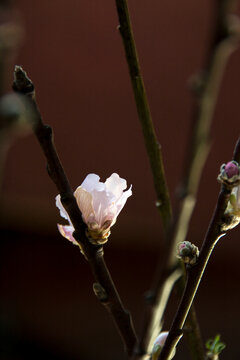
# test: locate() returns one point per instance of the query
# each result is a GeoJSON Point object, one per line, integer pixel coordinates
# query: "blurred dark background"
{"type": "Point", "coordinates": [73, 53]}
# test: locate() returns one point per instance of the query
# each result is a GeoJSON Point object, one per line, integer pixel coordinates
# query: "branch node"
{"type": "Point", "coordinates": [100, 292]}
{"type": "Point", "coordinates": [48, 131]}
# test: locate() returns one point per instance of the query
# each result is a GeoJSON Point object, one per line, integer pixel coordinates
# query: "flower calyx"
{"type": "Point", "coordinates": [96, 235]}
{"type": "Point", "coordinates": [187, 252]}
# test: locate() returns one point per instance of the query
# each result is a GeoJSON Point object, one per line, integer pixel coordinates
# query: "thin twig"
{"type": "Point", "coordinates": [191, 328]}
{"type": "Point", "coordinates": [225, 41]}
{"type": "Point", "coordinates": [151, 143]}
{"type": "Point", "coordinates": [159, 297]}
{"type": "Point", "coordinates": [195, 273]}
{"type": "Point", "coordinates": [206, 88]}
{"type": "Point", "coordinates": [93, 253]}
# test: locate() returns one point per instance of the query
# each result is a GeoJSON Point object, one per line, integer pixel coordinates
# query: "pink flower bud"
{"type": "Point", "coordinates": [188, 252]}
{"type": "Point", "coordinates": [230, 174]}
{"type": "Point", "coordinates": [231, 169]}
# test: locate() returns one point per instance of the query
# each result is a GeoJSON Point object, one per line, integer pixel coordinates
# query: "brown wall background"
{"type": "Point", "coordinates": [73, 53]}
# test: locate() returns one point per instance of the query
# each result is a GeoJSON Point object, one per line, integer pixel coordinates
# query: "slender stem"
{"type": "Point", "coordinates": [160, 296]}
{"type": "Point", "coordinates": [112, 300]}
{"type": "Point", "coordinates": [195, 273]}
{"type": "Point", "coordinates": [156, 302]}
{"type": "Point", "coordinates": [193, 335]}
{"type": "Point", "coordinates": [206, 92]}
{"type": "Point", "coordinates": [151, 143]}
{"type": "Point", "coordinates": [93, 253]}
{"type": "Point", "coordinates": [223, 44]}
{"type": "Point", "coordinates": [191, 329]}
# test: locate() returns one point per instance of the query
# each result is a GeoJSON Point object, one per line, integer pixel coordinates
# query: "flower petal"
{"type": "Point", "coordinates": [115, 185]}
{"type": "Point", "coordinates": [92, 182]}
{"type": "Point", "coordinates": [122, 200]}
{"type": "Point", "coordinates": [102, 205]}
{"type": "Point", "coordinates": [160, 340]}
{"type": "Point", "coordinates": [85, 202]}
{"type": "Point", "coordinates": [63, 212]}
{"type": "Point", "coordinates": [67, 231]}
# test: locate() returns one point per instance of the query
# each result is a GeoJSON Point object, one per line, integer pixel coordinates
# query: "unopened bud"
{"type": "Point", "coordinates": [230, 173]}
{"type": "Point", "coordinates": [188, 252]}
{"type": "Point", "coordinates": [158, 345]}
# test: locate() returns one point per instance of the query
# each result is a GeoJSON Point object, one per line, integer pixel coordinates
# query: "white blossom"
{"type": "Point", "coordinates": [100, 203]}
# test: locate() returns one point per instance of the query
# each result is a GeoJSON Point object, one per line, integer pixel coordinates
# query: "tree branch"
{"type": "Point", "coordinates": [93, 253]}
{"type": "Point", "coordinates": [195, 273]}
{"type": "Point", "coordinates": [151, 143]}
{"type": "Point", "coordinates": [225, 41]}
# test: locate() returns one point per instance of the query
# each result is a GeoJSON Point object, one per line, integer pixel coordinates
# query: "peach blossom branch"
{"type": "Point", "coordinates": [107, 294]}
